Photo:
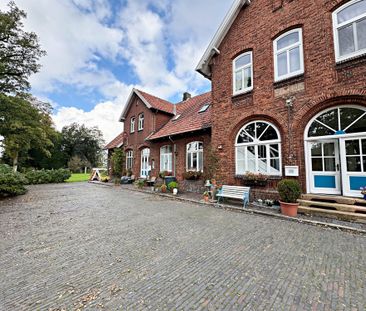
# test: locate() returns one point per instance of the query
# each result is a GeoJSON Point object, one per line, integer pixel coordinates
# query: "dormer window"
{"type": "Point", "coordinates": [141, 122]}
{"type": "Point", "coordinates": [132, 125]}
{"type": "Point", "coordinates": [288, 55]}
{"type": "Point", "coordinates": [243, 73]}
{"type": "Point", "coordinates": [349, 25]}
{"type": "Point", "coordinates": [176, 117]}
{"type": "Point", "coordinates": [204, 108]}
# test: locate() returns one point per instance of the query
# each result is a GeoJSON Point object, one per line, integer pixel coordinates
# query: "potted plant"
{"type": "Point", "coordinates": [140, 183]}
{"type": "Point", "coordinates": [363, 192]}
{"type": "Point", "coordinates": [254, 179]}
{"type": "Point", "coordinates": [289, 191]}
{"type": "Point", "coordinates": [173, 187]}
{"type": "Point", "coordinates": [206, 196]}
{"type": "Point", "coordinates": [163, 188]}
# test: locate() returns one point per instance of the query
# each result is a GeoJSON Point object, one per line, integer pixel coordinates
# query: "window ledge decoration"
{"type": "Point", "coordinates": [192, 175]}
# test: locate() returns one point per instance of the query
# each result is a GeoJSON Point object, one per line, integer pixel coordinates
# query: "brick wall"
{"type": "Point", "coordinates": [324, 84]}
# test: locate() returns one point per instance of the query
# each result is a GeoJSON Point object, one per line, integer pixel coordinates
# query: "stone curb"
{"type": "Point", "coordinates": [246, 210]}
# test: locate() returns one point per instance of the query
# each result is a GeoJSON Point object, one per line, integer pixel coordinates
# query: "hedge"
{"type": "Point", "coordinates": [47, 176]}
{"type": "Point", "coordinates": [11, 183]}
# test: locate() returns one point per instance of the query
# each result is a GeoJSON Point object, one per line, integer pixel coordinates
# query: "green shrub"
{"type": "Point", "coordinates": [172, 185]}
{"type": "Point", "coordinates": [11, 183]}
{"type": "Point", "coordinates": [289, 190]}
{"type": "Point", "coordinates": [47, 176]}
{"type": "Point", "coordinates": [140, 183]}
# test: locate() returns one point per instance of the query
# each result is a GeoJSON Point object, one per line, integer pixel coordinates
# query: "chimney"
{"type": "Point", "coordinates": [175, 109]}
{"type": "Point", "coordinates": [186, 96]}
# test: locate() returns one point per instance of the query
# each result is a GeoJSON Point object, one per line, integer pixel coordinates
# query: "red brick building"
{"type": "Point", "coordinates": [288, 98]}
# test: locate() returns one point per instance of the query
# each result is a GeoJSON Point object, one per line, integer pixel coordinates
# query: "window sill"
{"type": "Point", "coordinates": [351, 62]}
{"type": "Point", "coordinates": [292, 80]}
{"type": "Point", "coordinates": [270, 177]}
{"type": "Point", "coordinates": [242, 95]}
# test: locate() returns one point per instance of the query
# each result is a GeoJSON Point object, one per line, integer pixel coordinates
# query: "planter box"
{"type": "Point", "coordinates": [255, 183]}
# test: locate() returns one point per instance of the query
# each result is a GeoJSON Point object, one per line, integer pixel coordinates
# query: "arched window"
{"type": "Point", "coordinates": [166, 159]}
{"type": "Point", "coordinates": [141, 122]}
{"type": "Point", "coordinates": [338, 121]}
{"type": "Point", "coordinates": [132, 125]}
{"type": "Point", "coordinates": [195, 156]}
{"type": "Point", "coordinates": [349, 23]}
{"type": "Point", "coordinates": [129, 160]}
{"type": "Point", "coordinates": [288, 55]}
{"type": "Point", "coordinates": [258, 149]}
{"type": "Point", "coordinates": [243, 73]}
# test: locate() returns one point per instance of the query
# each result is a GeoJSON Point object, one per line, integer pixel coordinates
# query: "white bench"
{"type": "Point", "coordinates": [234, 192]}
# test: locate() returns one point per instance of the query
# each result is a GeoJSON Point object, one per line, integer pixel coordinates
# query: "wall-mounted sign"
{"type": "Point", "coordinates": [292, 171]}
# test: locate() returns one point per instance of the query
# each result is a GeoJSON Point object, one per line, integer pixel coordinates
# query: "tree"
{"type": "Point", "coordinates": [23, 127]}
{"type": "Point", "coordinates": [86, 143]}
{"type": "Point", "coordinates": [20, 52]}
{"type": "Point", "coordinates": [118, 161]}
{"type": "Point", "coordinates": [76, 164]}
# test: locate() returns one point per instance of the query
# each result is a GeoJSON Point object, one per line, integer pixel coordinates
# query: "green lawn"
{"type": "Point", "coordinates": [78, 177]}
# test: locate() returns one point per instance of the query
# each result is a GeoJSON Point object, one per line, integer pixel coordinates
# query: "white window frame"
{"type": "Point", "coordinates": [166, 157]}
{"type": "Point", "coordinates": [242, 68]}
{"type": "Point", "coordinates": [129, 160]}
{"type": "Point", "coordinates": [337, 26]}
{"type": "Point", "coordinates": [189, 156]}
{"type": "Point", "coordinates": [132, 124]}
{"type": "Point", "coordinates": [141, 122]}
{"type": "Point", "coordinates": [287, 49]}
{"type": "Point", "coordinates": [257, 143]}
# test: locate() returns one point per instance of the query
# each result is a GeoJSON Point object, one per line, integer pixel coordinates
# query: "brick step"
{"type": "Point", "coordinates": [336, 206]}
{"type": "Point", "coordinates": [356, 217]}
{"type": "Point", "coordinates": [334, 199]}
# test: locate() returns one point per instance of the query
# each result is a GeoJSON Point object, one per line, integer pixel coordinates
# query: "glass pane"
{"type": "Point", "coordinates": [316, 129]}
{"type": "Point", "coordinates": [359, 126]}
{"type": "Point", "coordinates": [361, 34]}
{"type": "Point", "coordinates": [316, 150]}
{"type": "Point", "coordinates": [240, 160]}
{"type": "Point", "coordinates": [317, 164]}
{"type": "Point", "coordinates": [282, 64]}
{"type": "Point", "coordinates": [330, 165]}
{"type": "Point", "coordinates": [262, 166]}
{"type": "Point", "coordinates": [364, 146]}
{"type": "Point", "coordinates": [269, 134]}
{"type": "Point", "coordinates": [353, 147]}
{"type": "Point", "coordinates": [329, 149]}
{"type": "Point", "coordinates": [330, 118]}
{"type": "Point", "coordinates": [194, 161]}
{"type": "Point", "coordinates": [354, 164]}
{"type": "Point", "coordinates": [346, 40]}
{"type": "Point", "coordinates": [262, 159]}
{"type": "Point", "coordinates": [349, 115]}
{"type": "Point", "coordinates": [200, 161]}
{"type": "Point", "coordinates": [240, 153]}
{"type": "Point", "coordinates": [364, 164]}
{"type": "Point", "coordinates": [242, 61]}
{"type": "Point", "coordinates": [244, 138]}
{"type": "Point", "coordinates": [352, 11]}
{"type": "Point", "coordinates": [262, 152]}
{"type": "Point", "coordinates": [288, 40]}
{"type": "Point", "coordinates": [250, 129]}
{"type": "Point", "coordinates": [275, 166]}
{"type": "Point", "coordinates": [200, 146]}
{"type": "Point", "coordinates": [274, 151]}
{"type": "Point", "coordinates": [247, 77]}
{"type": "Point", "coordinates": [261, 127]}
{"type": "Point", "coordinates": [239, 80]}
{"type": "Point", "coordinates": [251, 159]}
{"type": "Point", "coordinates": [295, 59]}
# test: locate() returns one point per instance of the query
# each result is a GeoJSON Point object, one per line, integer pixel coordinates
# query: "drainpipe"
{"type": "Point", "coordinates": [289, 105]}
{"type": "Point", "coordinates": [175, 156]}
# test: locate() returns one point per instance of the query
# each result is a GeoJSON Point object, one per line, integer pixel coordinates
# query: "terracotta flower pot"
{"type": "Point", "coordinates": [289, 209]}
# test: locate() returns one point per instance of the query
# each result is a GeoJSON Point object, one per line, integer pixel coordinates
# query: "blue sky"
{"type": "Point", "coordinates": [98, 50]}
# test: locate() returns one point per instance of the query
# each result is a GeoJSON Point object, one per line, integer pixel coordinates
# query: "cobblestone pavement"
{"type": "Point", "coordinates": [82, 246]}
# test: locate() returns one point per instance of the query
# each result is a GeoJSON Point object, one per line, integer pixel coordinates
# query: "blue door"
{"type": "Point", "coordinates": [323, 160]}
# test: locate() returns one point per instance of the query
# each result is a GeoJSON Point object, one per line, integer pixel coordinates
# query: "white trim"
{"type": "Point", "coordinates": [242, 69]}
{"type": "Point", "coordinates": [189, 155]}
{"type": "Point", "coordinates": [337, 26]}
{"type": "Point", "coordinates": [287, 49]}
{"type": "Point", "coordinates": [256, 142]}
{"type": "Point", "coordinates": [203, 65]}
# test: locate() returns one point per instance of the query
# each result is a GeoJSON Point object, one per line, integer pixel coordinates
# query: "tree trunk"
{"type": "Point", "coordinates": [15, 162]}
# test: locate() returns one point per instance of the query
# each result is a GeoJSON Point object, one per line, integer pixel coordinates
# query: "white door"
{"type": "Point", "coordinates": [353, 159]}
{"type": "Point", "coordinates": [323, 161]}
{"type": "Point", "coordinates": [145, 163]}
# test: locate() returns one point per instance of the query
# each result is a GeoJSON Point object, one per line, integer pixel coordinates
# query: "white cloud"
{"type": "Point", "coordinates": [161, 40]}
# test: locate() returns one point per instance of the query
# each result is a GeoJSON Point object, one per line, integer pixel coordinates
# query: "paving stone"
{"type": "Point", "coordinates": [79, 245]}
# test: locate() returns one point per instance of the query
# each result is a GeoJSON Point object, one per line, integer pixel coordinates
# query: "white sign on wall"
{"type": "Point", "coordinates": [292, 171]}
